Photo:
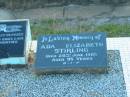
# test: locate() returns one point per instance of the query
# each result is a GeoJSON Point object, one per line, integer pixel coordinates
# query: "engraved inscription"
{"type": "Point", "coordinates": [76, 49]}
{"type": "Point", "coordinates": [13, 38]}
{"type": "Point", "coordinates": [8, 35]}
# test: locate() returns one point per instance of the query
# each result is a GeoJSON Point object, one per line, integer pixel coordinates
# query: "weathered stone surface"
{"type": "Point", "coordinates": [71, 53]}
{"type": "Point", "coordinates": [121, 11]}
{"type": "Point", "coordinates": [71, 11]}
{"type": "Point", "coordinates": [74, 11]}
{"type": "Point", "coordinates": [6, 14]}
{"type": "Point", "coordinates": [24, 4]}
{"type": "Point", "coordinates": [41, 13]}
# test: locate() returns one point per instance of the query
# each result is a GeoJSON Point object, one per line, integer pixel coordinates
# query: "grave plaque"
{"type": "Point", "coordinates": [15, 39]}
{"type": "Point", "coordinates": [71, 53]}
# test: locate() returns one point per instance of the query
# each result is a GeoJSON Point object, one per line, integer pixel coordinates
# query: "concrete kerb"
{"type": "Point", "coordinates": [121, 44]}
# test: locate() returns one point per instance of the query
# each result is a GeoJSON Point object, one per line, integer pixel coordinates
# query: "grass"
{"type": "Point", "coordinates": [115, 30]}
{"type": "Point", "coordinates": [52, 26]}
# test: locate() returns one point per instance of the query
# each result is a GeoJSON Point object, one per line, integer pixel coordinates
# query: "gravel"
{"type": "Point", "coordinates": [23, 83]}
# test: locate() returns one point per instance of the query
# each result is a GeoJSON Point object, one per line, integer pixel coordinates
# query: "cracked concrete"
{"type": "Point", "coordinates": [40, 13]}
{"type": "Point", "coordinates": [87, 11]}
{"type": "Point", "coordinates": [6, 14]}
{"type": "Point", "coordinates": [75, 11]}
{"type": "Point", "coordinates": [121, 11]}
{"type": "Point", "coordinates": [69, 12]}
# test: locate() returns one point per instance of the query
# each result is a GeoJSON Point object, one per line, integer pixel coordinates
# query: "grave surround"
{"type": "Point", "coordinates": [121, 44]}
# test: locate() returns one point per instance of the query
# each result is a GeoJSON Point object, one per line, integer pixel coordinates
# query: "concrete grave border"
{"type": "Point", "coordinates": [122, 44]}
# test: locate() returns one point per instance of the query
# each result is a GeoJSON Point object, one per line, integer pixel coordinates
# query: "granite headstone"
{"type": "Point", "coordinates": [15, 39]}
{"type": "Point", "coordinates": [71, 53]}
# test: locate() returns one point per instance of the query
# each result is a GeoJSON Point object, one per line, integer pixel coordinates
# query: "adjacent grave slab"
{"type": "Point", "coordinates": [15, 39]}
{"type": "Point", "coordinates": [71, 53]}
